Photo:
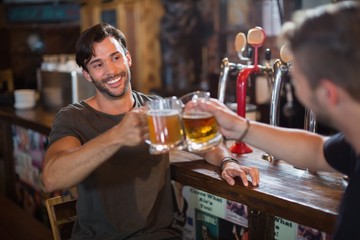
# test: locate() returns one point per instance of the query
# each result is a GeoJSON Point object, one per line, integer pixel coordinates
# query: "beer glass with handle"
{"type": "Point", "coordinates": [165, 127]}
{"type": "Point", "coordinates": [200, 127]}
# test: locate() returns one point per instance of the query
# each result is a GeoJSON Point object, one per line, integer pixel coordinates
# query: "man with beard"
{"type": "Point", "coordinates": [98, 145]}
{"type": "Point", "coordinates": [325, 71]}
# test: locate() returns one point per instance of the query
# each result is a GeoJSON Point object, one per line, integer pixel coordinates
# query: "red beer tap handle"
{"type": "Point", "coordinates": [240, 147]}
{"type": "Point", "coordinates": [256, 37]}
{"type": "Point", "coordinates": [241, 90]}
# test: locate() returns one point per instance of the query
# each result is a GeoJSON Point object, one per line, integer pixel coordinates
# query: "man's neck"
{"type": "Point", "coordinates": [112, 106]}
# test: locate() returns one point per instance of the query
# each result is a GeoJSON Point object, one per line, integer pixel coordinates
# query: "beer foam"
{"type": "Point", "coordinates": [197, 115]}
{"type": "Point", "coordinates": [163, 112]}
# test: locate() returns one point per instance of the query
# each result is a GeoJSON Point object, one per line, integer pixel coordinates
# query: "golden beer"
{"type": "Point", "coordinates": [202, 131]}
{"type": "Point", "coordinates": [165, 127]}
{"type": "Point", "coordinates": [200, 127]}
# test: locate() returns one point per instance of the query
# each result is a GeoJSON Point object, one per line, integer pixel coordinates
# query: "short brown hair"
{"type": "Point", "coordinates": [326, 43]}
{"type": "Point", "coordinates": [97, 33]}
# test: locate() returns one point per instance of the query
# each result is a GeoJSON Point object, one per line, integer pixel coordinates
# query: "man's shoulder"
{"type": "Point", "coordinates": [71, 110]}
{"type": "Point", "coordinates": [336, 138]}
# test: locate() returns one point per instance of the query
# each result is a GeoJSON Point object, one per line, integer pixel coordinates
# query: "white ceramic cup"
{"type": "Point", "coordinates": [24, 98]}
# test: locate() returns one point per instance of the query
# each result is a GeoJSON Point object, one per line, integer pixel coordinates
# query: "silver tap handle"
{"type": "Point", "coordinates": [280, 68]}
{"type": "Point", "coordinates": [310, 121]}
{"type": "Point", "coordinates": [226, 66]}
{"type": "Point", "coordinates": [275, 95]}
{"type": "Point", "coordinates": [310, 125]}
{"type": "Point", "coordinates": [240, 44]}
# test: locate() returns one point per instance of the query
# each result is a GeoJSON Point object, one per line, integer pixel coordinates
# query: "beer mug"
{"type": "Point", "coordinates": [201, 129]}
{"type": "Point", "coordinates": [165, 127]}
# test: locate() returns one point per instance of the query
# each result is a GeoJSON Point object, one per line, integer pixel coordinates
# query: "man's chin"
{"type": "Point", "coordinates": [113, 94]}
{"type": "Point", "coordinates": [120, 94]}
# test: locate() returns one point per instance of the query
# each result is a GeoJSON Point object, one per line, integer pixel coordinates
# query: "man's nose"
{"type": "Point", "coordinates": [111, 67]}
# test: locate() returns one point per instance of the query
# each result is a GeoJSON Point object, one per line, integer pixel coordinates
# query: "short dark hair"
{"type": "Point", "coordinates": [96, 33]}
{"type": "Point", "coordinates": [325, 41]}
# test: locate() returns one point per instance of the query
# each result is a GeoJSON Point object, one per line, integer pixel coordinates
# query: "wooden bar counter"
{"type": "Point", "coordinates": [311, 199]}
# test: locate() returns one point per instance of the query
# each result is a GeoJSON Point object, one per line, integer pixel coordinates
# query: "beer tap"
{"type": "Point", "coordinates": [281, 69]}
{"type": "Point", "coordinates": [256, 37]}
{"type": "Point", "coordinates": [310, 117]}
{"type": "Point", "coordinates": [226, 66]}
{"type": "Point", "coordinates": [240, 44]}
{"type": "Point", "coordinates": [310, 125]}
{"type": "Point", "coordinates": [281, 74]}
{"type": "Point", "coordinates": [310, 120]}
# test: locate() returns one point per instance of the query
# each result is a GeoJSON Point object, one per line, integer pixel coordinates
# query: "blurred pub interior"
{"type": "Point", "coordinates": [177, 45]}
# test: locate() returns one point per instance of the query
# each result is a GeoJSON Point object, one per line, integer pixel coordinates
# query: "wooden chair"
{"type": "Point", "coordinates": [62, 215]}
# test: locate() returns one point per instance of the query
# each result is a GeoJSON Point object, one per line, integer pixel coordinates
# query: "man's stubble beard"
{"type": "Point", "coordinates": [101, 87]}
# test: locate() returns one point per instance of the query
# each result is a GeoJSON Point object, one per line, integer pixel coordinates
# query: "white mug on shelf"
{"type": "Point", "coordinates": [24, 98]}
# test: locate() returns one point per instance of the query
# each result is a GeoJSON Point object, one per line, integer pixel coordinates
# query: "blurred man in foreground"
{"type": "Point", "coordinates": [325, 43]}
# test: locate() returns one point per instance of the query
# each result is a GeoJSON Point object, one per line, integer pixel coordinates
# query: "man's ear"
{"type": "Point", "coordinates": [327, 91]}
{"type": "Point", "coordinates": [86, 75]}
{"type": "Point", "coordinates": [128, 57]}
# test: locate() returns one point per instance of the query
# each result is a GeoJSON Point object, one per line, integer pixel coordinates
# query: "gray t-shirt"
{"type": "Point", "coordinates": [127, 197]}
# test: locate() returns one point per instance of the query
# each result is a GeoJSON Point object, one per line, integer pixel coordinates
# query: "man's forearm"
{"type": "Point", "coordinates": [67, 168]}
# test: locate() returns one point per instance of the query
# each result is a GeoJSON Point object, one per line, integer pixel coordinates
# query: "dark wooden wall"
{"type": "Point", "coordinates": [16, 53]}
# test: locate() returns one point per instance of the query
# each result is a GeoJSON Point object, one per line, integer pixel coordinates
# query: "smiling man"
{"type": "Point", "coordinates": [98, 145]}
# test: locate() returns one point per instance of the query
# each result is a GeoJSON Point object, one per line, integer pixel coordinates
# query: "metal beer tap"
{"type": "Point", "coordinates": [281, 72]}
{"type": "Point", "coordinates": [282, 68]}
{"type": "Point", "coordinates": [310, 120]}
{"type": "Point", "coordinates": [226, 66]}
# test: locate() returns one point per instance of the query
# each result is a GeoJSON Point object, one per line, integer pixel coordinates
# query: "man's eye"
{"type": "Point", "coordinates": [99, 65]}
{"type": "Point", "coordinates": [116, 57]}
